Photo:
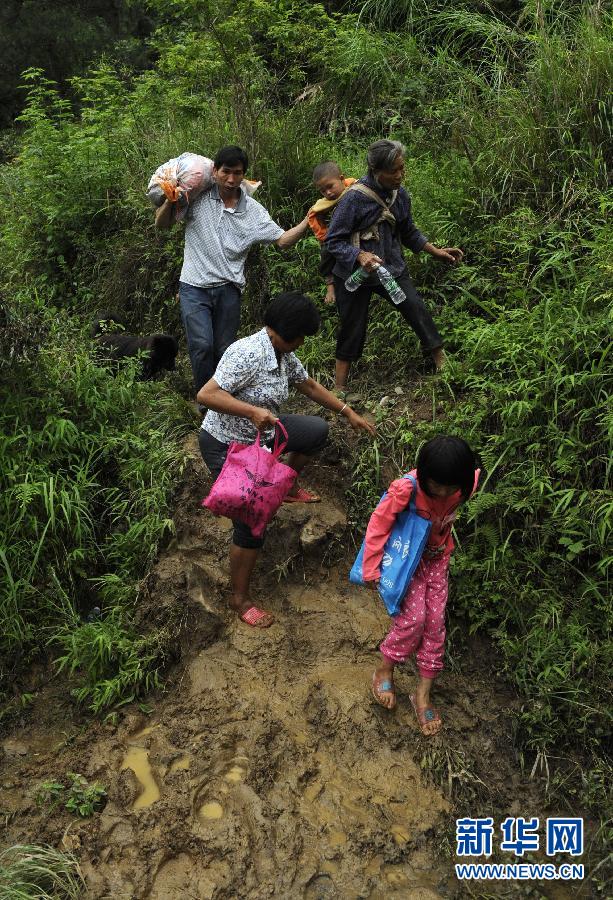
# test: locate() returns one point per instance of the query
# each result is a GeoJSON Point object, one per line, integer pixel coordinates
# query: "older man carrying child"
{"type": "Point", "coordinates": [370, 225]}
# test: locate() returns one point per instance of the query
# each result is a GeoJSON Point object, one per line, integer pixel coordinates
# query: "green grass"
{"type": "Point", "coordinates": [29, 872]}
{"type": "Point", "coordinates": [89, 465]}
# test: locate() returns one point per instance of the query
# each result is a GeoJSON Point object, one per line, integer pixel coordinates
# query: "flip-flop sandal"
{"type": "Point", "coordinates": [385, 684]}
{"type": "Point", "coordinates": [302, 496]}
{"type": "Point", "coordinates": [426, 715]}
{"type": "Point", "coordinates": [253, 616]}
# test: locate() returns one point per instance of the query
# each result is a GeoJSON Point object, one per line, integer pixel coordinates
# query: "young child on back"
{"type": "Point", "coordinates": [446, 476]}
{"type": "Point", "coordinates": [329, 181]}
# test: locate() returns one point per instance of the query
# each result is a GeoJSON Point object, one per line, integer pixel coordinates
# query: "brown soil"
{"type": "Point", "coordinates": [278, 775]}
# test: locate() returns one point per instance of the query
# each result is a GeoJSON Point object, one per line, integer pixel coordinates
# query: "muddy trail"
{"type": "Point", "coordinates": [265, 768]}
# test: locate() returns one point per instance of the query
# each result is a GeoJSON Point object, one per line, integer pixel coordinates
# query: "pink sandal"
{"type": "Point", "coordinates": [301, 495]}
{"type": "Point", "coordinates": [254, 615]}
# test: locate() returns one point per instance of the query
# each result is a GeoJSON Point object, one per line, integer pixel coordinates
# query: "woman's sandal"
{"type": "Point", "coordinates": [254, 615]}
{"type": "Point", "coordinates": [301, 495]}
{"type": "Point", "coordinates": [426, 715]}
{"type": "Point", "coordinates": [385, 684]}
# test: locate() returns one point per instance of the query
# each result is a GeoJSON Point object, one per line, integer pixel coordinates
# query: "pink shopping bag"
{"type": "Point", "coordinates": [252, 483]}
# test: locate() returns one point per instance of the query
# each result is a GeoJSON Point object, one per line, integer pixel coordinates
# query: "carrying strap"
{"type": "Point", "coordinates": [411, 505]}
{"type": "Point", "coordinates": [279, 445]}
{"type": "Point", "coordinates": [372, 232]}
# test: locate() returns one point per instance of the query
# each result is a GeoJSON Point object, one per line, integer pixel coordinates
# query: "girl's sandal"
{"type": "Point", "coordinates": [426, 715]}
{"type": "Point", "coordinates": [254, 616]}
{"type": "Point", "coordinates": [380, 685]}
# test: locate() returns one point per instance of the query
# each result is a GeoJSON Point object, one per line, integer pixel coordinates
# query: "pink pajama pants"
{"type": "Point", "coordinates": [419, 627]}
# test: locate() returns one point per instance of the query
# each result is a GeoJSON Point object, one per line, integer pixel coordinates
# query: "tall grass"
{"type": "Point", "coordinates": [88, 462]}
{"type": "Point", "coordinates": [29, 872]}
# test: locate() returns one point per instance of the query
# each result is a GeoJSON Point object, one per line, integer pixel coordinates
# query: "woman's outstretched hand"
{"type": "Point", "coordinates": [451, 255]}
{"type": "Point", "coordinates": [358, 423]}
{"type": "Point", "coordinates": [262, 418]}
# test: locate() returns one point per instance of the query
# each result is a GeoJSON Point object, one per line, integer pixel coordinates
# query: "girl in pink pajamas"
{"type": "Point", "coordinates": [446, 477]}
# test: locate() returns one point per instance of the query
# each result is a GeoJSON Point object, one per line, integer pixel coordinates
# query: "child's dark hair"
{"type": "Point", "coordinates": [448, 460]}
{"type": "Point", "coordinates": [328, 169]}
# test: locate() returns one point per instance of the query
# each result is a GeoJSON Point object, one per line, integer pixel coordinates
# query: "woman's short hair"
{"type": "Point", "coordinates": [383, 154]}
{"type": "Point", "coordinates": [231, 156]}
{"type": "Point", "coordinates": [292, 315]}
{"type": "Point", "coordinates": [447, 460]}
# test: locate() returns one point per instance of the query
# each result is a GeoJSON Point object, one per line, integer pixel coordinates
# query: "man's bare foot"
{"type": "Point", "coordinates": [251, 614]}
{"type": "Point", "coordinates": [383, 687]}
{"type": "Point", "coordinates": [439, 359]}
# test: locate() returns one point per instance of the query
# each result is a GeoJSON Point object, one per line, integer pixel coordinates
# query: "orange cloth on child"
{"type": "Point", "coordinates": [319, 214]}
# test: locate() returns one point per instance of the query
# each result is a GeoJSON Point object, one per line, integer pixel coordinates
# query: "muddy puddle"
{"type": "Point", "coordinates": [265, 769]}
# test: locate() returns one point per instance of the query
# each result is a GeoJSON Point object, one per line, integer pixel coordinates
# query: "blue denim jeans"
{"type": "Point", "coordinates": [211, 318]}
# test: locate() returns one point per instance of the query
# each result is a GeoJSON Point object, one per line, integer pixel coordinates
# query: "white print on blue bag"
{"type": "Point", "coordinates": [401, 555]}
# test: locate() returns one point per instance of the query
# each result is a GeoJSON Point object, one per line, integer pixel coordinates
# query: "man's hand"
{"type": "Point", "coordinates": [165, 214]}
{"type": "Point", "coordinates": [368, 261]}
{"type": "Point", "coordinates": [372, 585]}
{"type": "Point", "coordinates": [450, 255]}
{"type": "Point", "coordinates": [262, 418]}
{"type": "Point", "coordinates": [358, 423]}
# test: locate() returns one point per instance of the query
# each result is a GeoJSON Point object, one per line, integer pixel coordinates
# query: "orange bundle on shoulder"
{"type": "Point", "coordinates": [184, 178]}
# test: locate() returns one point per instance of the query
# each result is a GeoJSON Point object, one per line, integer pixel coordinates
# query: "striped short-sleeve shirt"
{"type": "Point", "coordinates": [218, 239]}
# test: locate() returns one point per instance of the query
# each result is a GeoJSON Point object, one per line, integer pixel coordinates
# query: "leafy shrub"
{"type": "Point", "coordinates": [77, 796]}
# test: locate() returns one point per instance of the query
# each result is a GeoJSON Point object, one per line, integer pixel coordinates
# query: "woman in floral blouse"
{"type": "Point", "coordinates": [244, 396]}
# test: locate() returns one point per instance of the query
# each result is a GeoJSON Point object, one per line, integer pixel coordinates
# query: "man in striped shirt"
{"type": "Point", "coordinates": [221, 226]}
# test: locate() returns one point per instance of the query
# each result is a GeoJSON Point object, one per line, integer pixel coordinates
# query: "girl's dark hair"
{"type": "Point", "coordinates": [231, 156]}
{"type": "Point", "coordinates": [292, 315]}
{"type": "Point", "coordinates": [447, 460]}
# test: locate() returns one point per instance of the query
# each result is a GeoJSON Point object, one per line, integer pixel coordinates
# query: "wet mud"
{"type": "Point", "coordinates": [265, 768]}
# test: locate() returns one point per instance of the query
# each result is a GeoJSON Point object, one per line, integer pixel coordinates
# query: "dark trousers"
{"type": "Point", "coordinates": [305, 434]}
{"type": "Point", "coordinates": [211, 318]}
{"type": "Point", "coordinates": [353, 308]}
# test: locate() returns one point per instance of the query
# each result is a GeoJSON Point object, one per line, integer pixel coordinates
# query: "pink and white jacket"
{"type": "Point", "coordinates": [440, 511]}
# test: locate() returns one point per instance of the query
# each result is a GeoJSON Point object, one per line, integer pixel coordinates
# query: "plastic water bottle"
{"type": "Point", "coordinates": [356, 279]}
{"type": "Point", "coordinates": [396, 294]}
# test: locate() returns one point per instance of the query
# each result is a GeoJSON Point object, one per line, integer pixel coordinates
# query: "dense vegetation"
{"type": "Point", "coordinates": [506, 111]}
{"type": "Point", "coordinates": [63, 37]}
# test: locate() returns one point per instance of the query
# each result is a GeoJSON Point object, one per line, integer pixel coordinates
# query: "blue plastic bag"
{"type": "Point", "coordinates": [401, 555]}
